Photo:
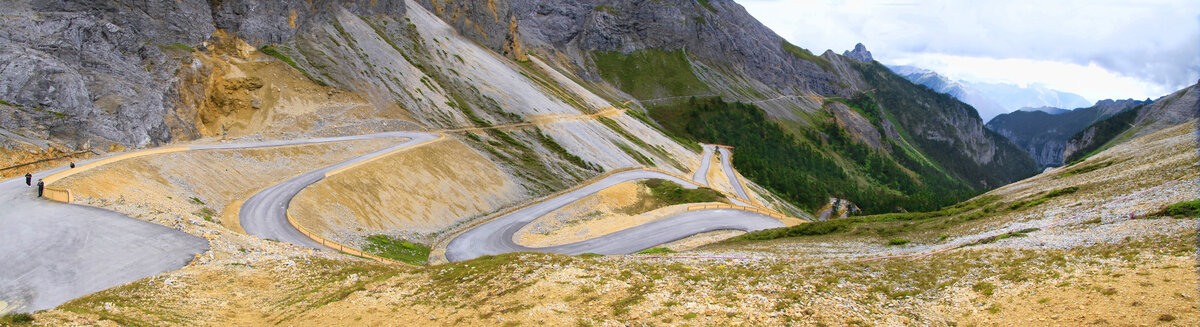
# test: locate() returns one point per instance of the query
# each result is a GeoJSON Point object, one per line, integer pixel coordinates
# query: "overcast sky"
{"type": "Point", "coordinates": [1096, 48]}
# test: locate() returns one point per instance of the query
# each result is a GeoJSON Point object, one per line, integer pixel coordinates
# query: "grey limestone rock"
{"type": "Point", "coordinates": [859, 53]}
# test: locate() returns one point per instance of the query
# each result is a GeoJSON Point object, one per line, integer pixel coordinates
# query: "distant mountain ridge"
{"type": "Point", "coordinates": [992, 99]}
{"type": "Point", "coordinates": [1170, 110]}
{"type": "Point", "coordinates": [1044, 132]}
{"type": "Point", "coordinates": [1049, 110]}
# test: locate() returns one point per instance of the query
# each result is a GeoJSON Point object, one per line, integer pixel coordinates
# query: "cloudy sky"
{"type": "Point", "coordinates": [1096, 48]}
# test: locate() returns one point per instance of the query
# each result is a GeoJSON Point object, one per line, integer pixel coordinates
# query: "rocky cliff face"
{"type": "Point", "coordinates": [859, 53]}
{"type": "Point", "coordinates": [139, 74]}
{"type": "Point", "coordinates": [1045, 135]}
{"type": "Point", "coordinates": [107, 69]}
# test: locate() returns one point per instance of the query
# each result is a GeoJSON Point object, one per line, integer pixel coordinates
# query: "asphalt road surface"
{"type": "Point", "coordinates": [265, 213]}
{"type": "Point", "coordinates": [733, 179]}
{"type": "Point", "coordinates": [53, 252]}
{"type": "Point", "coordinates": [496, 236]}
{"type": "Point", "coordinates": [701, 175]}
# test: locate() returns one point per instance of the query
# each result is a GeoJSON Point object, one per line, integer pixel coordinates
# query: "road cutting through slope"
{"type": "Point", "coordinates": [727, 164]}
{"type": "Point", "coordinates": [56, 252]}
{"type": "Point", "coordinates": [701, 174]}
{"type": "Point", "coordinates": [265, 213]}
{"type": "Point", "coordinates": [496, 236]}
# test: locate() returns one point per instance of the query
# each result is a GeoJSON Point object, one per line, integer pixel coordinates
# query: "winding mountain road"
{"type": "Point", "coordinates": [265, 213]}
{"type": "Point", "coordinates": [53, 252]}
{"type": "Point", "coordinates": [496, 236]}
{"type": "Point", "coordinates": [727, 165]}
{"type": "Point", "coordinates": [701, 175]}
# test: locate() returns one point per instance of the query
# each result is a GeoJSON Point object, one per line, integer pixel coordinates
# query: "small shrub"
{"type": "Point", "coordinates": [985, 288]}
{"type": "Point", "coordinates": [1061, 191]}
{"type": "Point", "coordinates": [1166, 318]}
{"type": "Point", "coordinates": [397, 249]}
{"type": "Point", "coordinates": [897, 241]}
{"type": "Point", "coordinates": [656, 251]}
{"type": "Point", "coordinates": [22, 319]}
{"type": "Point", "coordinates": [1186, 209]}
{"type": "Point", "coordinates": [672, 193]}
{"type": "Point", "coordinates": [197, 201]}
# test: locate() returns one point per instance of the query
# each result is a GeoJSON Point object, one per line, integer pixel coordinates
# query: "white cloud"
{"type": "Point", "coordinates": [1091, 81]}
{"type": "Point", "coordinates": [1103, 48]}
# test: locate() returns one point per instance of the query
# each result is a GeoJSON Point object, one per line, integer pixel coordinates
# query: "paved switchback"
{"type": "Point", "coordinates": [265, 213]}
{"type": "Point", "coordinates": [53, 252]}
{"type": "Point", "coordinates": [701, 175]}
{"type": "Point", "coordinates": [727, 164]}
{"type": "Point", "coordinates": [496, 236]}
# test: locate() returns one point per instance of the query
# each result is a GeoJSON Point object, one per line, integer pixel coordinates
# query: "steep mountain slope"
{"type": "Point", "coordinates": [662, 54]}
{"type": "Point", "coordinates": [284, 69]}
{"type": "Point", "coordinates": [1044, 135]}
{"type": "Point", "coordinates": [1167, 111]}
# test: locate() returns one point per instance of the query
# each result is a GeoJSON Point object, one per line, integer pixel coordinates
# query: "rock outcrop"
{"type": "Point", "coordinates": [859, 53]}
{"type": "Point", "coordinates": [107, 69]}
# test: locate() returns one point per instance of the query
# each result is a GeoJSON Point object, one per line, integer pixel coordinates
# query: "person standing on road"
{"type": "Point", "coordinates": [41, 186]}
{"type": "Point", "coordinates": [28, 179]}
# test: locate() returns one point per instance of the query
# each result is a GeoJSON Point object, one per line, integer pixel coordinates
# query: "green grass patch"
{"type": "Point", "coordinates": [615, 127]}
{"type": "Point", "coordinates": [1185, 209]}
{"type": "Point", "coordinates": [672, 193]}
{"type": "Point", "coordinates": [13, 319]}
{"type": "Point", "coordinates": [651, 73]}
{"type": "Point", "coordinates": [803, 53]}
{"type": "Point", "coordinates": [985, 288]}
{"type": "Point", "coordinates": [641, 158]}
{"type": "Point", "coordinates": [606, 9]}
{"type": "Point", "coordinates": [273, 51]}
{"type": "Point", "coordinates": [884, 224]}
{"type": "Point", "coordinates": [993, 239]}
{"type": "Point", "coordinates": [553, 146]}
{"type": "Point", "coordinates": [1043, 198]}
{"type": "Point", "coordinates": [177, 46]}
{"type": "Point", "coordinates": [707, 5]}
{"type": "Point", "coordinates": [1086, 169]}
{"type": "Point", "coordinates": [897, 241]}
{"type": "Point", "coordinates": [206, 213]}
{"type": "Point", "coordinates": [397, 249]}
{"type": "Point", "coordinates": [656, 251]}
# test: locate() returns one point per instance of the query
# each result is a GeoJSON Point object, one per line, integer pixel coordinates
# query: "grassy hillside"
{"type": "Point", "coordinates": [650, 73]}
